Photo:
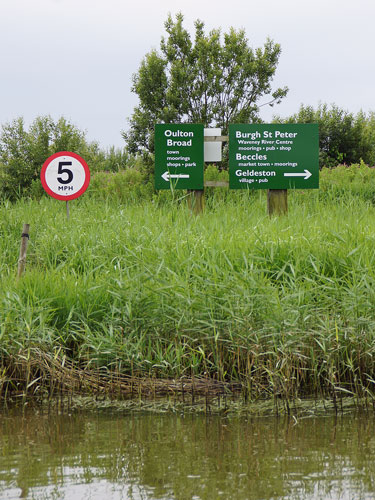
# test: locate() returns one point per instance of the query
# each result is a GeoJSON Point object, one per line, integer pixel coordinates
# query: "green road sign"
{"type": "Point", "coordinates": [179, 156]}
{"type": "Point", "coordinates": [274, 156]}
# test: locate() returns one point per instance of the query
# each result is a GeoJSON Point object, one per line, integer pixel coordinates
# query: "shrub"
{"type": "Point", "coordinates": [22, 152]}
{"type": "Point", "coordinates": [125, 186]}
{"type": "Point", "coordinates": [343, 136]}
{"type": "Point", "coordinates": [344, 181]}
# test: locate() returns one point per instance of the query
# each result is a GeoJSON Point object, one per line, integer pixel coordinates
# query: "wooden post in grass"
{"type": "Point", "coordinates": [23, 250]}
{"type": "Point", "coordinates": [196, 196]}
{"type": "Point", "coordinates": [195, 200]}
{"type": "Point", "coordinates": [277, 201]}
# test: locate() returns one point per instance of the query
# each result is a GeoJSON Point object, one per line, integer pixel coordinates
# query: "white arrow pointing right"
{"type": "Point", "coordinates": [306, 174]}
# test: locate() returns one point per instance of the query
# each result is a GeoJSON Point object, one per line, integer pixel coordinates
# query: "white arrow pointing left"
{"type": "Point", "coordinates": [306, 174]}
{"type": "Point", "coordinates": [167, 176]}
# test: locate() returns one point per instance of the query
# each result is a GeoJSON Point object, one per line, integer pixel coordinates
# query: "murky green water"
{"type": "Point", "coordinates": [103, 455]}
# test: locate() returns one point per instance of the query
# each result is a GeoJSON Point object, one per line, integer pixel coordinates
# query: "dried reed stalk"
{"type": "Point", "coordinates": [30, 371]}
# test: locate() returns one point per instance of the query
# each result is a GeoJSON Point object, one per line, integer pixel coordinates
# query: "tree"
{"type": "Point", "coordinates": [212, 80]}
{"type": "Point", "coordinates": [22, 152]}
{"type": "Point", "coordinates": [343, 136]}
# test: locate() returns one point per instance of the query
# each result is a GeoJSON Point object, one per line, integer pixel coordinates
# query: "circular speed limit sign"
{"type": "Point", "coordinates": [65, 176]}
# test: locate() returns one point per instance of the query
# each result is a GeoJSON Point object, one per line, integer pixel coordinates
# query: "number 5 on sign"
{"type": "Point", "coordinates": [65, 176]}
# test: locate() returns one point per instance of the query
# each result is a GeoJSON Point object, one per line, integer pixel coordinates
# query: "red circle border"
{"type": "Point", "coordinates": [70, 196]}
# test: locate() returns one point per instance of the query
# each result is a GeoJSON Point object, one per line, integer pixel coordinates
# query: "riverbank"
{"type": "Point", "coordinates": [40, 380]}
{"type": "Point", "coordinates": [284, 306]}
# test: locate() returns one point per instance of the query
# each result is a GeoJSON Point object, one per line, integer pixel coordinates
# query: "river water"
{"type": "Point", "coordinates": [112, 455]}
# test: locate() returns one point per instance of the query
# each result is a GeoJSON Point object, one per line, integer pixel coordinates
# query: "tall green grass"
{"type": "Point", "coordinates": [286, 305]}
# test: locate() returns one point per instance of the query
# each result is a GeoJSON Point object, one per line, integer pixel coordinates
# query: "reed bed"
{"type": "Point", "coordinates": [38, 373]}
{"type": "Point", "coordinates": [281, 307]}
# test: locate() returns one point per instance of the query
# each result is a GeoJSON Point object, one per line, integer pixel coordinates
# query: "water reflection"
{"type": "Point", "coordinates": [102, 455]}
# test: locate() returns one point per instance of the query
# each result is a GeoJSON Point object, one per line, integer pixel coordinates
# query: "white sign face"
{"type": "Point", "coordinates": [212, 150]}
{"type": "Point", "coordinates": [65, 176]}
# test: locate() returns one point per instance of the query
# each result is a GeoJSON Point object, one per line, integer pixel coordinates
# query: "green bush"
{"type": "Point", "coordinates": [23, 152]}
{"type": "Point", "coordinates": [343, 181]}
{"type": "Point", "coordinates": [125, 186]}
{"type": "Point", "coordinates": [212, 173]}
{"type": "Point", "coordinates": [343, 137]}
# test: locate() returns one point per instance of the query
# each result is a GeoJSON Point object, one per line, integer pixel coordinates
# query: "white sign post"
{"type": "Point", "coordinates": [65, 176]}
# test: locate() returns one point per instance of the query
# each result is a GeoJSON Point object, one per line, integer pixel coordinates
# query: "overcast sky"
{"type": "Point", "coordinates": [75, 58]}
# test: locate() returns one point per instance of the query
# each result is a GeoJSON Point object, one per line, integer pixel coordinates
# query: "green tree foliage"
{"type": "Point", "coordinates": [23, 152]}
{"type": "Point", "coordinates": [343, 137]}
{"type": "Point", "coordinates": [213, 79]}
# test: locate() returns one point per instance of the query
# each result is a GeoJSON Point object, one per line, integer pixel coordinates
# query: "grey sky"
{"type": "Point", "coordinates": [75, 58]}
